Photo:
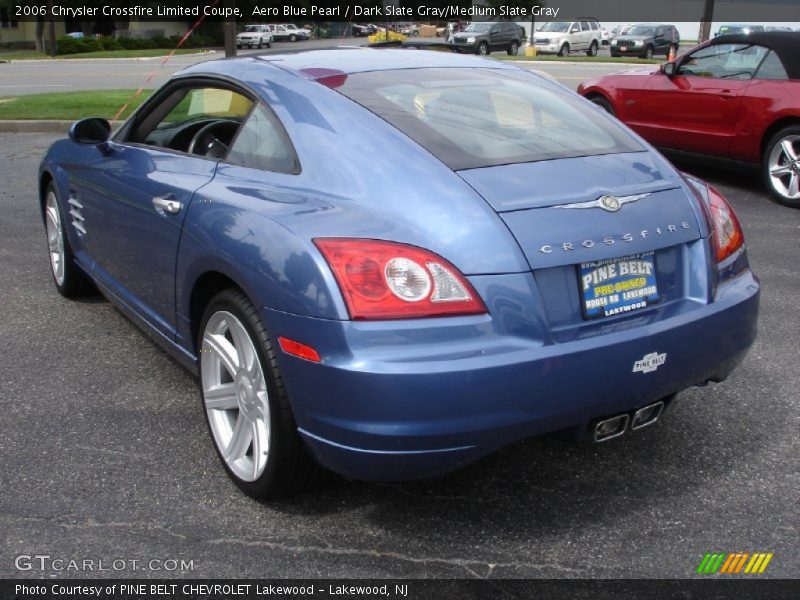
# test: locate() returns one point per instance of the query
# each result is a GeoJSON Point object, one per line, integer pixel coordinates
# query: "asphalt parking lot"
{"type": "Point", "coordinates": [105, 454]}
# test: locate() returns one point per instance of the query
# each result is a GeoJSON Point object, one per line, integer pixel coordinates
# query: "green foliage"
{"type": "Point", "coordinates": [68, 45]}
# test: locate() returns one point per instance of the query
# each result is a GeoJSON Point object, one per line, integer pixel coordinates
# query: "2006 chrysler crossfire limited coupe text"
{"type": "Point", "coordinates": [392, 262]}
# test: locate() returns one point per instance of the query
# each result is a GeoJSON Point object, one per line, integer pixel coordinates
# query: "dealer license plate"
{"type": "Point", "coordinates": [619, 285]}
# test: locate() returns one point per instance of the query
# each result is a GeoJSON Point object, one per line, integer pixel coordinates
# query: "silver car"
{"type": "Point", "coordinates": [255, 36]}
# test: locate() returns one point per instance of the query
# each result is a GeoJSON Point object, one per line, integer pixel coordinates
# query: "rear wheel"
{"type": "Point", "coordinates": [293, 38]}
{"type": "Point", "coordinates": [70, 280]}
{"type": "Point", "coordinates": [603, 103]}
{"type": "Point", "coordinates": [592, 51]}
{"type": "Point", "coordinates": [781, 166]}
{"type": "Point", "coordinates": [483, 48]}
{"type": "Point", "coordinates": [245, 402]}
{"type": "Point", "coordinates": [513, 48]}
{"type": "Point", "coordinates": [564, 50]}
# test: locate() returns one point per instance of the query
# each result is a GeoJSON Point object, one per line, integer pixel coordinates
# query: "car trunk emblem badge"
{"type": "Point", "coordinates": [607, 202]}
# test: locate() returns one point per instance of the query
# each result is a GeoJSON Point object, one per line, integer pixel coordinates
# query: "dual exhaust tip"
{"type": "Point", "coordinates": [613, 427]}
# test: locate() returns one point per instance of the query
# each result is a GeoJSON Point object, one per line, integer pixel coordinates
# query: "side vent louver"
{"type": "Point", "coordinates": [75, 211]}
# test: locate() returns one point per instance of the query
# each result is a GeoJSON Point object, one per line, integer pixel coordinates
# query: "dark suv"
{"type": "Point", "coordinates": [645, 40]}
{"type": "Point", "coordinates": [483, 38]}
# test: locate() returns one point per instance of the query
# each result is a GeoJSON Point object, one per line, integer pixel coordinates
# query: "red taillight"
{"type": "Point", "coordinates": [387, 280]}
{"type": "Point", "coordinates": [299, 350]}
{"type": "Point", "coordinates": [726, 231]}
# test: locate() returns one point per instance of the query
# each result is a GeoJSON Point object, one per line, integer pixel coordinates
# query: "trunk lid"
{"type": "Point", "coordinates": [552, 208]}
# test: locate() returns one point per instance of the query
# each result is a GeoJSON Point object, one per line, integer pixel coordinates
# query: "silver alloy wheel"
{"type": "Point", "coordinates": [55, 237]}
{"type": "Point", "coordinates": [784, 167]}
{"type": "Point", "coordinates": [235, 396]}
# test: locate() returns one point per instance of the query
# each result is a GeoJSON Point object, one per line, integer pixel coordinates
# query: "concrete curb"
{"type": "Point", "coordinates": [40, 126]}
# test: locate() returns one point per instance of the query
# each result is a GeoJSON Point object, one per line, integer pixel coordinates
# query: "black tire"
{"type": "Point", "coordinates": [793, 168]}
{"type": "Point", "coordinates": [513, 48]}
{"type": "Point", "coordinates": [564, 50]}
{"type": "Point", "coordinates": [602, 103]}
{"type": "Point", "coordinates": [293, 38]}
{"type": "Point", "coordinates": [483, 49]}
{"type": "Point", "coordinates": [74, 281]}
{"type": "Point", "coordinates": [648, 52]}
{"type": "Point", "coordinates": [592, 51]}
{"type": "Point", "coordinates": [289, 469]}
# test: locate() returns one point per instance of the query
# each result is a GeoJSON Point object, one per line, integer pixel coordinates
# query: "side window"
{"type": "Point", "coordinates": [263, 144]}
{"type": "Point", "coordinates": [772, 68]}
{"type": "Point", "coordinates": [586, 26]}
{"type": "Point", "coordinates": [575, 27]}
{"type": "Point", "coordinates": [724, 61]}
{"type": "Point", "coordinates": [212, 113]}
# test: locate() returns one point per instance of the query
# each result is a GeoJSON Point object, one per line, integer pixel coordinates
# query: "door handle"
{"type": "Point", "coordinates": [167, 204]}
{"type": "Point", "coordinates": [727, 94]}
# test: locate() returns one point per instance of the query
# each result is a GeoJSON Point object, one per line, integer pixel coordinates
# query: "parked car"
{"type": "Point", "coordinates": [483, 38]}
{"type": "Point", "coordinates": [735, 97]}
{"type": "Point", "coordinates": [739, 29]}
{"type": "Point", "coordinates": [408, 29]}
{"type": "Point", "coordinates": [254, 36]}
{"type": "Point", "coordinates": [531, 266]}
{"type": "Point", "coordinates": [563, 37]}
{"type": "Point", "coordinates": [646, 40]}
{"type": "Point", "coordinates": [361, 30]}
{"type": "Point", "coordinates": [288, 31]}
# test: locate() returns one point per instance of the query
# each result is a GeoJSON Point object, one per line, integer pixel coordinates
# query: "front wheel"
{"type": "Point", "coordinates": [603, 103]}
{"type": "Point", "coordinates": [592, 51]}
{"type": "Point", "coordinates": [245, 402]}
{"type": "Point", "coordinates": [513, 48]}
{"type": "Point", "coordinates": [564, 50]}
{"type": "Point", "coordinates": [648, 53]}
{"type": "Point", "coordinates": [483, 49]}
{"type": "Point", "coordinates": [781, 166]}
{"type": "Point", "coordinates": [70, 280]}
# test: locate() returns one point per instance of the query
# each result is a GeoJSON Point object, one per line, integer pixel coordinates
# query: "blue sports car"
{"type": "Point", "coordinates": [392, 262]}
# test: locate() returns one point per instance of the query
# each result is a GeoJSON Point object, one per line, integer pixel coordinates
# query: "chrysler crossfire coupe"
{"type": "Point", "coordinates": [392, 262]}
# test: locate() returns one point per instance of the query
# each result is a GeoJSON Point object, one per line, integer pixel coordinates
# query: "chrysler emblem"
{"type": "Point", "coordinates": [610, 203]}
{"type": "Point", "coordinates": [607, 203]}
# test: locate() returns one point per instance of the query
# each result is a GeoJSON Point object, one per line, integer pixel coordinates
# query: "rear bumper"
{"type": "Point", "coordinates": [380, 408]}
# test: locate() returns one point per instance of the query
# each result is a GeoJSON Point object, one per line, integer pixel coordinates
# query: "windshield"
{"type": "Point", "coordinates": [555, 27]}
{"type": "Point", "coordinates": [478, 27]}
{"type": "Point", "coordinates": [640, 30]}
{"type": "Point", "coordinates": [251, 29]}
{"type": "Point", "coordinates": [470, 118]}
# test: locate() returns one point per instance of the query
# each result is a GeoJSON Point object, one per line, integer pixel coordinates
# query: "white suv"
{"type": "Point", "coordinates": [563, 37]}
{"type": "Point", "coordinates": [255, 36]}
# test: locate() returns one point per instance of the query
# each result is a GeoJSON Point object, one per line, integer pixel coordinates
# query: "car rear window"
{"type": "Point", "coordinates": [470, 118]}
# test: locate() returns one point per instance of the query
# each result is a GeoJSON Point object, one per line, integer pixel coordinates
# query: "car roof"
{"type": "Point", "coordinates": [786, 45]}
{"type": "Point", "coordinates": [312, 64]}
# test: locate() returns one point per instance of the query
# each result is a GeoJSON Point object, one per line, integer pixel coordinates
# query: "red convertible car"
{"type": "Point", "coordinates": [736, 97]}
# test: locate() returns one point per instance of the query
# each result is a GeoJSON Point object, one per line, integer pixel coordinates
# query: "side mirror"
{"type": "Point", "coordinates": [91, 132]}
{"type": "Point", "coordinates": [668, 69]}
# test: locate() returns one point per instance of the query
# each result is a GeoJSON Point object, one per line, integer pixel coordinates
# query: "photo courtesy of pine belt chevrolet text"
{"type": "Point", "coordinates": [391, 262]}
